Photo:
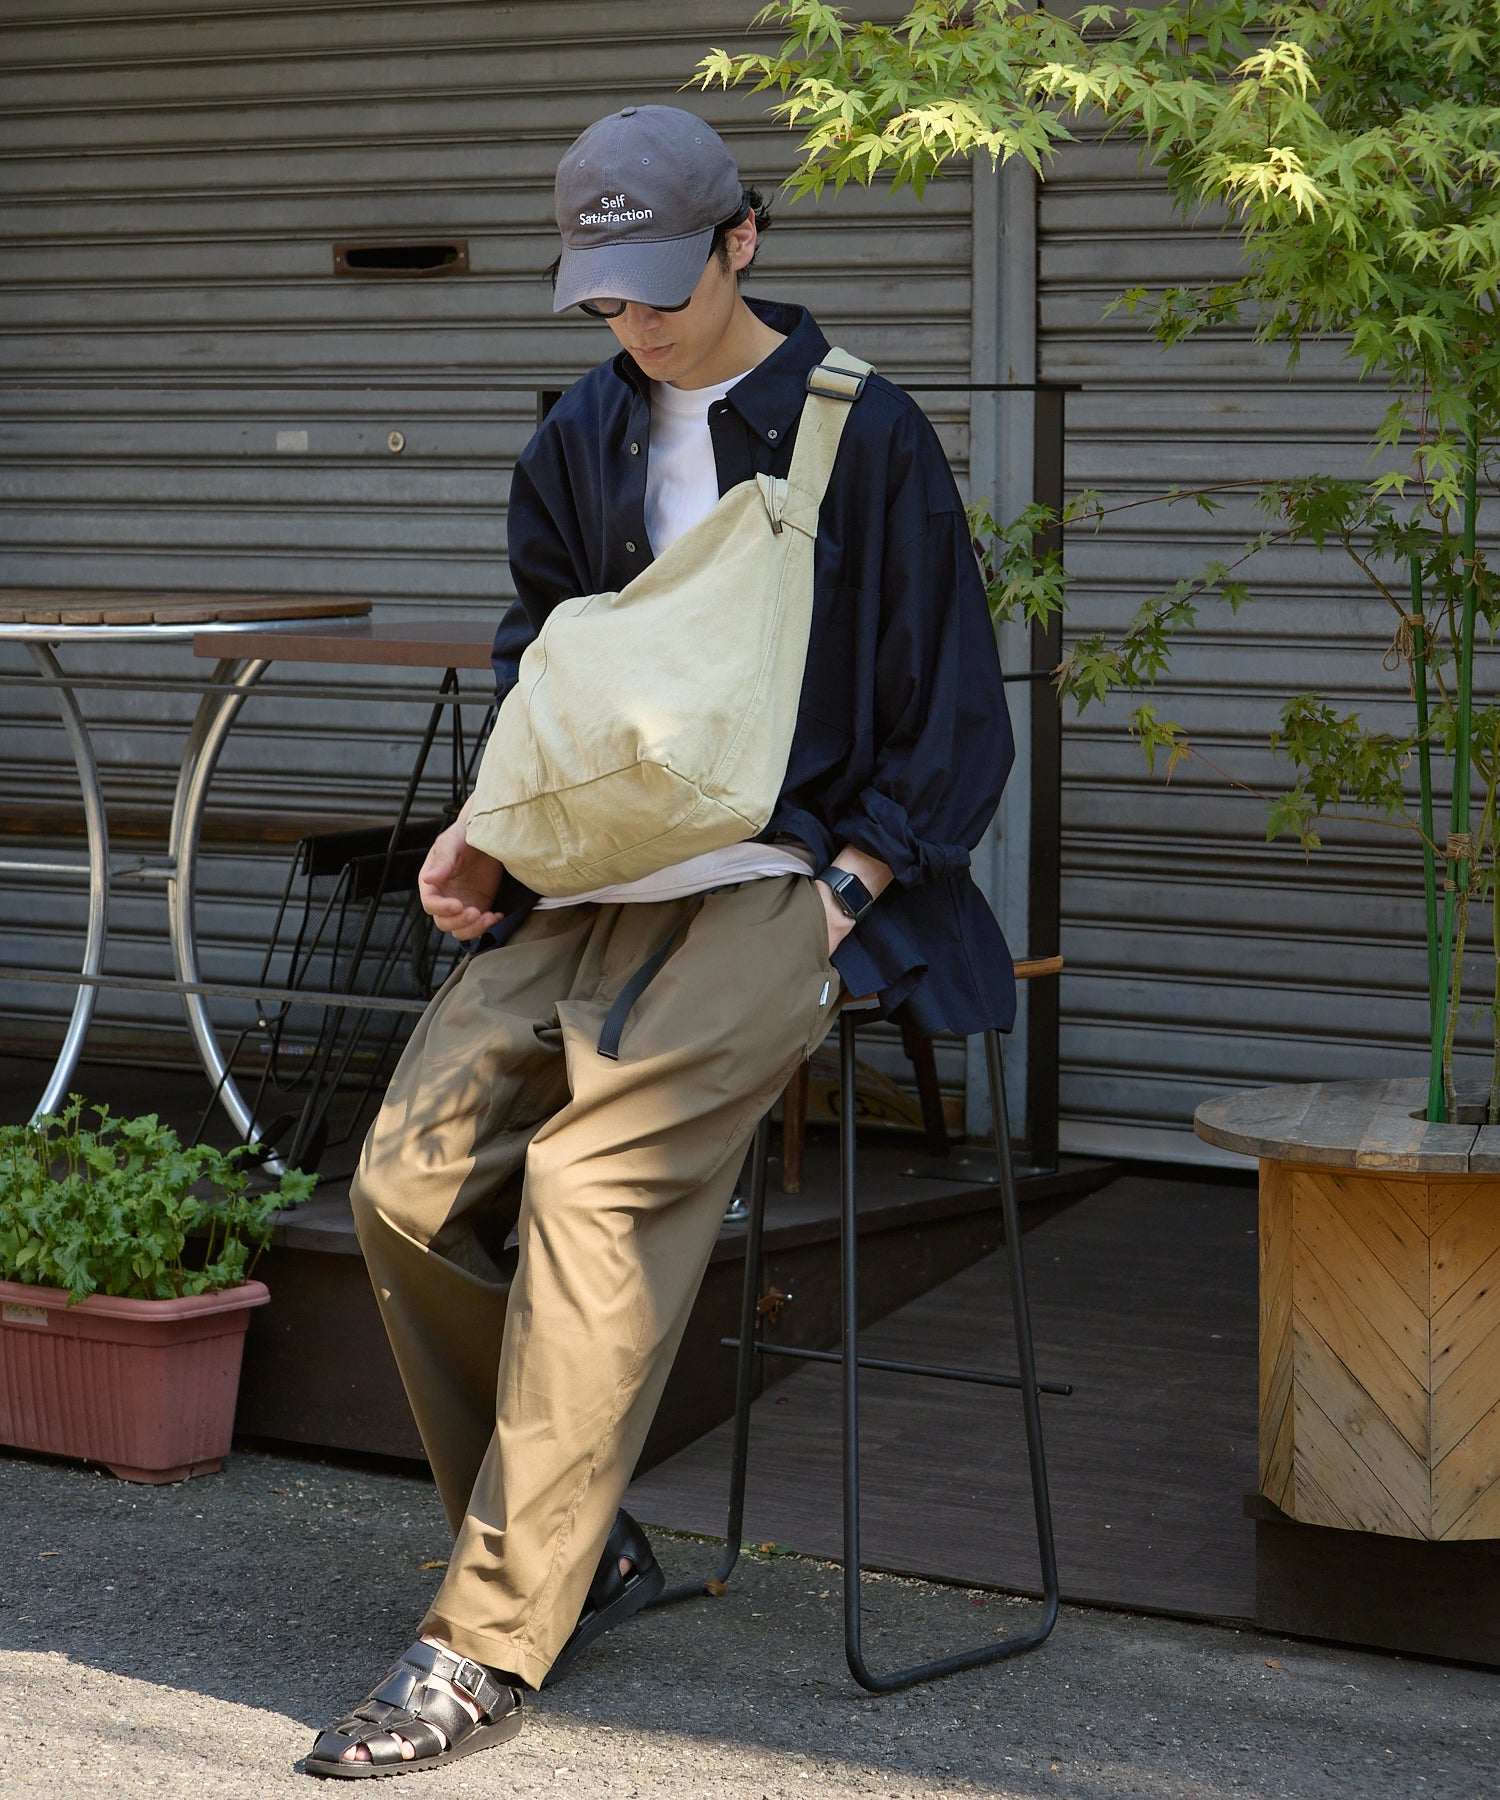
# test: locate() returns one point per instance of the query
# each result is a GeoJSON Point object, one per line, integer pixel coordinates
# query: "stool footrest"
{"type": "Point", "coordinates": [937, 1371]}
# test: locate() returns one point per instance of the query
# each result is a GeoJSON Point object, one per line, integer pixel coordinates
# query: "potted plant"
{"type": "Point", "coordinates": [125, 1291]}
{"type": "Point", "coordinates": [1353, 147]}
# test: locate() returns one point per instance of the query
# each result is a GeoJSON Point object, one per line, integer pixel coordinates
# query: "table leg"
{"type": "Point", "coordinates": [216, 714]}
{"type": "Point", "coordinates": [97, 827]}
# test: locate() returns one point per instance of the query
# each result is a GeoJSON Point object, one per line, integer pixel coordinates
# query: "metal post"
{"type": "Point", "coordinates": [744, 1375]}
{"type": "Point", "coordinates": [216, 713]}
{"type": "Point", "coordinates": [1025, 1348]}
{"type": "Point", "coordinates": [1044, 904]}
{"type": "Point", "coordinates": [1030, 1399]}
{"type": "Point", "coordinates": [97, 932]}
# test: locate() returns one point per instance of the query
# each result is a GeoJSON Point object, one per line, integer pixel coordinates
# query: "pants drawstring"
{"type": "Point", "coordinates": [619, 1012]}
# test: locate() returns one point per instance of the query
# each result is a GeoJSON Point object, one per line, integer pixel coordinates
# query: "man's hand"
{"type": "Point", "coordinates": [458, 883]}
{"type": "Point", "coordinates": [839, 922]}
{"type": "Point", "coordinates": [871, 871]}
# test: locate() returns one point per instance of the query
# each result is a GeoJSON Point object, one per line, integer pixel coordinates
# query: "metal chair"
{"type": "Point", "coordinates": [748, 1346]}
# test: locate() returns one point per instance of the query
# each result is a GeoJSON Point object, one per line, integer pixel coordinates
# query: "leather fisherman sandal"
{"type": "Point", "coordinates": [425, 1717]}
{"type": "Point", "coordinates": [613, 1597]}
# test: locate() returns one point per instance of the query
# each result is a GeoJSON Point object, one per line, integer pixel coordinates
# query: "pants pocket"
{"type": "Point", "coordinates": [827, 989]}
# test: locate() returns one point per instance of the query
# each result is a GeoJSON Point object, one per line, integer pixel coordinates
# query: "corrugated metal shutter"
{"type": "Point", "coordinates": [174, 183]}
{"type": "Point", "coordinates": [1200, 958]}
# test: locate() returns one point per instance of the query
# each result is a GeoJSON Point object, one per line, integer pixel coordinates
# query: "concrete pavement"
{"type": "Point", "coordinates": [187, 1641]}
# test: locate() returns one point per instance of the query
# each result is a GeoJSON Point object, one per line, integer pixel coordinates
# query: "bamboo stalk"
{"type": "Point", "coordinates": [1449, 1087]}
{"type": "Point", "coordinates": [1437, 1102]}
{"type": "Point", "coordinates": [1457, 863]}
{"type": "Point", "coordinates": [1424, 775]}
{"type": "Point", "coordinates": [1492, 1110]}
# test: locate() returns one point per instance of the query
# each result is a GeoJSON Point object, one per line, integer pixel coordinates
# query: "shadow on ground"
{"type": "Point", "coordinates": [286, 1587]}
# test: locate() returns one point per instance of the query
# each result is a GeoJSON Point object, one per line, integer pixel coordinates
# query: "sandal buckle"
{"type": "Point", "coordinates": [470, 1677]}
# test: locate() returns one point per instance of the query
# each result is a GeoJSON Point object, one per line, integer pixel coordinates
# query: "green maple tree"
{"type": "Point", "coordinates": [1354, 146]}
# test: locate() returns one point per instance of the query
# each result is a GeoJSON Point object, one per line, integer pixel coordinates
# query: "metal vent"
{"type": "Point", "coordinates": [402, 262]}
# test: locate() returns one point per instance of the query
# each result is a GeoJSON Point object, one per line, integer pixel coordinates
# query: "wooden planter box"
{"type": "Point", "coordinates": [1379, 1308]}
{"type": "Point", "coordinates": [146, 1387]}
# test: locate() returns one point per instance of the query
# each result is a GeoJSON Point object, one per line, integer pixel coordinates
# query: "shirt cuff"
{"type": "Point", "coordinates": [881, 828]}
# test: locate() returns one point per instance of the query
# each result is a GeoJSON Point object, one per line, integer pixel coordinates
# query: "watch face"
{"type": "Point", "coordinates": [850, 892]}
{"type": "Point", "coordinates": [853, 895]}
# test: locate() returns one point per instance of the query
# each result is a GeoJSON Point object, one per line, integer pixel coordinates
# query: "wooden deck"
{"type": "Point", "coordinates": [1144, 1296]}
{"type": "Point", "coordinates": [318, 1370]}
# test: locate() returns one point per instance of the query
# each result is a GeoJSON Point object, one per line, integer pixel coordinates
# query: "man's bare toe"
{"type": "Point", "coordinates": [361, 1752]}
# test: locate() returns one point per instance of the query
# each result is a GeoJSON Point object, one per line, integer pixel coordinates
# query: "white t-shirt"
{"type": "Point", "coordinates": [682, 483]}
{"type": "Point", "coordinates": [682, 487]}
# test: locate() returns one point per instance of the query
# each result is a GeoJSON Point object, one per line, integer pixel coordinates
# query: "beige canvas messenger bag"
{"type": "Point", "coordinates": [655, 724]}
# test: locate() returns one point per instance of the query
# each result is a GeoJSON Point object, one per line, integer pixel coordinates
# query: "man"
{"type": "Point", "coordinates": [537, 1216]}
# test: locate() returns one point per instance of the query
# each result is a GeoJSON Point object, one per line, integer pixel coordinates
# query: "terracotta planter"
{"type": "Point", "coordinates": [146, 1387]}
{"type": "Point", "coordinates": [1379, 1307]}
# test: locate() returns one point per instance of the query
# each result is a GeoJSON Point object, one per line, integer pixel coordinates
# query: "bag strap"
{"type": "Point", "coordinates": [832, 387]}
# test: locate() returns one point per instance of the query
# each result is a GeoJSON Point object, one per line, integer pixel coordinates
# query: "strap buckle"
{"type": "Point", "coordinates": [470, 1678]}
{"type": "Point", "coordinates": [830, 382]}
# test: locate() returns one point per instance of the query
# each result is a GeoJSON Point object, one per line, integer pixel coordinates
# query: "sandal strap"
{"type": "Point", "coordinates": [374, 1712]}
{"type": "Point", "coordinates": [383, 1747]}
{"type": "Point", "coordinates": [376, 1735]}
{"type": "Point", "coordinates": [426, 1739]}
{"type": "Point", "coordinates": [473, 1679]}
{"type": "Point", "coordinates": [407, 1703]}
{"type": "Point", "coordinates": [424, 1662]}
{"type": "Point", "coordinates": [450, 1716]}
{"type": "Point", "coordinates": [625, 1539]}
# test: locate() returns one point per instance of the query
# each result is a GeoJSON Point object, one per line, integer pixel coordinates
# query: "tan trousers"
{"type": "Point", "coordinates": [534, 1374]}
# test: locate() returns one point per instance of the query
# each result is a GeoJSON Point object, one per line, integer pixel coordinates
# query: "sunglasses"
{"type": "Point", "coordinates": [611, 309]}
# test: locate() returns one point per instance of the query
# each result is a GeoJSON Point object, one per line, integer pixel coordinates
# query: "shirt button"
{"type": "Point", "coordinates": [635, 449]}
{"type": "Point", "coordinates": [629, 546]}
{"type": "Point", "coordinates": [772, 434]}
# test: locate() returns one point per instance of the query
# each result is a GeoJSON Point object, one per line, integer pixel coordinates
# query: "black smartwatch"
{"type": "Point", "coordinates": [850, 892]}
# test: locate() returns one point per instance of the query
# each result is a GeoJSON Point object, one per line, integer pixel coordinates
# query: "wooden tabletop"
{"type": "Point", "coordinates": [1350, 1125]}
{"type": "Point", "coordinates": [418, 644]}
{"type": "Point", "coordinates": [116, 606]}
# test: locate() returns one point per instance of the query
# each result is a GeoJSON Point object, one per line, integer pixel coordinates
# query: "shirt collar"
{"type": "Point", "coordinates": [769, 398]}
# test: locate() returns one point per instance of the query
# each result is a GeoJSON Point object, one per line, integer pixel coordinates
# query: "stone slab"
{"type": "Point", "coordinates": [1344, 1124]}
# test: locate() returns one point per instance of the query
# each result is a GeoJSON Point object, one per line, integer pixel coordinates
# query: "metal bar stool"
{"type": "Point", "coordinates": [748, 1346]}
{"type": "Point", "coordinates": [794, 1111]}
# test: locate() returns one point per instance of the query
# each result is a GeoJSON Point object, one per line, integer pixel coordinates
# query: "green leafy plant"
{"type": "Point", "coordinates": [113, 1209]}
{"type": "Point", "coordinates": [1353, 146]}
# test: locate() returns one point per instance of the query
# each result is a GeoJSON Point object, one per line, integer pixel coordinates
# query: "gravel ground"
{"type": "Point", "coordinates": [188, 1641]}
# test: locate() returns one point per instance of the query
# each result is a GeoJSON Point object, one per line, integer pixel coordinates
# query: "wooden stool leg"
{"type": "Point", "coordinates": [918, 1048]}
{"type": "Point", "coordinates": [794, 1130]}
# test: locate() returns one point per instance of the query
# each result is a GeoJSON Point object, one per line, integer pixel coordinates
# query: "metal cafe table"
{"type": "Point", "coordinates": [449, 645]}
{"type": "Point", "coordinates": [49, 621]}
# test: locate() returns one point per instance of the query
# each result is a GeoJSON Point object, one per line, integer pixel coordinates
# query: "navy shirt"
{"type": "Point", "coordinates": [903, 741]}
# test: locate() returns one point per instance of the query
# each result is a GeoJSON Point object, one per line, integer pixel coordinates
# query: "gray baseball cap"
{"type": "Point", "coordinates": [638, 197]}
